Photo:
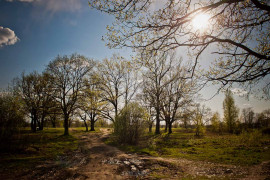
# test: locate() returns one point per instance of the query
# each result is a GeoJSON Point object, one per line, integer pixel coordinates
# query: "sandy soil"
{"type": "Point", "coordinates": [96, 160]}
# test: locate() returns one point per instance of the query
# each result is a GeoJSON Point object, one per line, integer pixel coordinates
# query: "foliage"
{"type": "Point", "coordinates": [215, 122]}
{"type": "Point", "coordinates": [129, 124]}
{"type": "Point", "coordinates": [230, 111]}
{"type": "Point", "coordinates": [11, 115]}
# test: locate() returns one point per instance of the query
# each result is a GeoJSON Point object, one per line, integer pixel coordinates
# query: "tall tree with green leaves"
{"type": "Point", "coordinates": [230, 111]}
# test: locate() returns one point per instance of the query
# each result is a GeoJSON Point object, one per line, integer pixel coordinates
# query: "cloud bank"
{"type": "Point", "coordinates": [7, 37]}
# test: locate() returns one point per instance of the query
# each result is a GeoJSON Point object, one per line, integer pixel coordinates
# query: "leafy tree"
{"type": "Point", "coordinates": [67, 76]}
{"type": "Point", "coordinates": [91, 104]}
{"type": "Point", "coordinates": [11, 114]}
{"type": "Point", "coordinates": [200, 118]}
{"type": "Point", "coordinates": [238, 29]}
{"type": "Point", "coordinates": [215, 122]}
{"type": "Point", "coordinates": [230, 111]}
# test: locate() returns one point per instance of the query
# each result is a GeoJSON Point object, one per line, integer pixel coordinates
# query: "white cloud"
{"type": "Point", "coordinates": [53, 6]}
{"type": "Point", "coordinates": [239, 91]}
{"type": "Point", "coordinates": [21, 0]}
{"type": "Point", "coordinates": [7, 37]}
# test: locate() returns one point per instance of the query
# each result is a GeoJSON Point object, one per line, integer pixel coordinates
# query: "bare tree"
{"type": "Point", "coordinates": [67, 76]}
{"type": "Point", "coordinates": [248, 115]}
{"type": "Point", "coordinates": [154, 82]}
{"type": "Point", "coordinates": [117, 83]}
{"type": "Point", "coordinates": [178, 94]}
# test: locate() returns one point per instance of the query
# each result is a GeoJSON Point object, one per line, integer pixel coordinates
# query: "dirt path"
{"type": "Point", "coordinates": [96, 160]}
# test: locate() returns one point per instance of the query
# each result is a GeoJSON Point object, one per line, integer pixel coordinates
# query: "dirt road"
{"type": "Point", "coordinates": [96, 160]}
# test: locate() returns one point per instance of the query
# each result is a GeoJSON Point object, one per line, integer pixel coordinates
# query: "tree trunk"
{"type": "Point", "coordinates": [92, 125]}
{"type": "Point", "coordinates": [170, 127]}
{"type": "Point", "coordinates": [86, 127]}
{"type": "Point", "coordinates": [53, 122]}
{"type": "Point", "coordinates": [166, 126]}
{"type": "Point", "coordinates": [41, 125]}
{"type": "Point", "coordinates": [157, 123]}
{"type": "Point", "coordinates": [32, 123]}
{"type": "Point", "coordinates": [150, 128]}
{"type": "Point", "coordinates": [66, 123]}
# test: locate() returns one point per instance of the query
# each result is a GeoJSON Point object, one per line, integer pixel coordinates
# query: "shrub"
{"type": "Point", "coordinates": [11, 115]}
{"type": "Point", "coordinates": [252, 138]}
{"type": "Point", "coordinates": [129, 125]}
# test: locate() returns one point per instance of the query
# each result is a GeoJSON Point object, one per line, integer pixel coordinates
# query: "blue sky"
{"type": "Point", "coordinates": [33, 32]}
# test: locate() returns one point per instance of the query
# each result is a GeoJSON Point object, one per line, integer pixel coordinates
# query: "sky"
{"type": "Point", "coordinates": [34, 32]}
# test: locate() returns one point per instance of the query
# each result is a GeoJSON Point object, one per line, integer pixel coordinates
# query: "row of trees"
{"type": "Point", "coordinates": [77, 87]}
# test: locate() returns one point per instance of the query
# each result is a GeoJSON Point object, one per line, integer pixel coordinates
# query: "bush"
{"type": "Point", "coordinates": [11, 116]}
{"type": "Point", "coordinates": [252, 138]}
{"type": "Point", "coordinates": [129, 125]}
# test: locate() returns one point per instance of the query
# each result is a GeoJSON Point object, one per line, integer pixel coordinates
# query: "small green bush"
{"type": "Point", "coordinates": [129, 125]}
{"type": "Point", "coordinates": [252, 138]}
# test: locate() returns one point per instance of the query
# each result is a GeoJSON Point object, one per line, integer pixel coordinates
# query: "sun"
{"type": "Point", "coordinates": [200, 21]}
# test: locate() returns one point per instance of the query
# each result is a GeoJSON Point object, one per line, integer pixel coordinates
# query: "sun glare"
{"type": "Point", "coordinates": [200, 21]}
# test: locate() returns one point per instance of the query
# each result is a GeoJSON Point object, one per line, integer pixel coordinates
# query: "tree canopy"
{"type": "Point", "coordinates": [238, 30]}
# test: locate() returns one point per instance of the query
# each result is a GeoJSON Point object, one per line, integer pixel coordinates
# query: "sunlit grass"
{"type": "Point", "coordinates": [227, 148]}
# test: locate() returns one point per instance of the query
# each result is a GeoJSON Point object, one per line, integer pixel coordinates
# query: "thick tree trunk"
{"type": "Point", "coordinates": [86, 127]}
{"type": "Point", "coordinates": [170, 127]}
{"type": "Point", "coordinates": [92, 125]}
{"type": "Point", "coordinates": [66, 124]}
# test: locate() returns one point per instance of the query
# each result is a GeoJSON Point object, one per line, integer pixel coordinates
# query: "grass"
{"type": "Point", "coordinates": [28, 149]}
{"type": "Point", "coordinates": [245, 149]}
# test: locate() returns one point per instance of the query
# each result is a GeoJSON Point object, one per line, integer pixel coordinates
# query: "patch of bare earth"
{"type": "Point", "coordinates": [96, 160]}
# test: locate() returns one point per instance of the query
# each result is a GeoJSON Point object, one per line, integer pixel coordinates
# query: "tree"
{"type": "Point", "coordinates": [215, 122]}
{"type": "Point", "coordinates": [200, 118]}
{"type": "Point", "coordinates": [33, 89]}
{"type": "Point", "coordinates": [91, 104]}
{"type": "Point", "coordinates": [116, 83]}
{"type": "Point", "coordinates": [248, 115]}
{"type": "Point", "coordinates": [67, 76]}
{"type": "Point", "coordinates": [12, 115]}
{"type": "Point", "coordinates": [230, 111]}
{"type": "Point", "coordinates": [154, 82]}
{"type": "Point", "coordinates": [129, 125]}
{"type": "Point", "coordinates": [238, 28]}
{"type": "Point", "coordinates": [145, 102]}
{"type": "Point", "coordinates": [177, 94]}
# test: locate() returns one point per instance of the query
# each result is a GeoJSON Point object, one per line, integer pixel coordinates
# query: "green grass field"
{"type": "Point", "coordinates": [243, 149]}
